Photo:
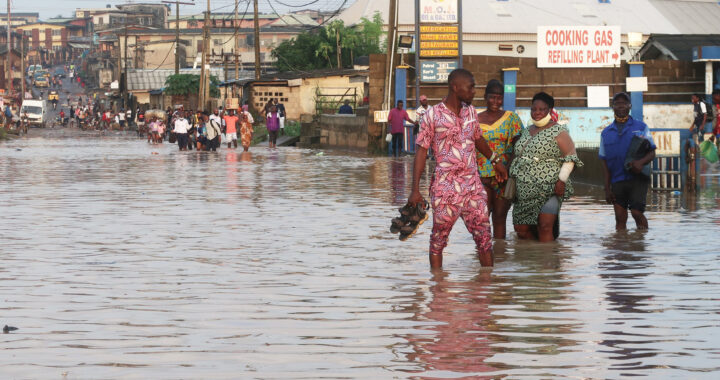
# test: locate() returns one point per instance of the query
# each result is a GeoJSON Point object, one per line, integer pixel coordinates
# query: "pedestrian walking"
{"type": "Point", "coordinates": [272, 122]}
{"type": "Point", "coordinates": [451, 128]}
{"type": "Point", "coordinates": [397, 117]}
{"type": "Point", "coordinates": [281, 111]}
{"type": "Point", "coordinates": [181, 128]}
{"type": "Point", "coordinates": [716, 118]}
{"type": "Point", "coordinates": [544, 158]}
{"type": "Point", "coordinates": [700, 116]}
{"type": "Point", "coordinates": [501, 129]}
{"type": "Point", "coordinates": [246, 128]}
{"type": "Point", "coordinates": [214, 130]}
{"type": "Point", "coordinates": [626, 151]}
{"type": "Point", "coordinates": [231, 121]}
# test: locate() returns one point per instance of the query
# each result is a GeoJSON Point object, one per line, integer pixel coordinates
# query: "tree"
{"type": "Point", "coordinates": [317, 49]}
{"type": "Point", "coordinates": [186, 84]}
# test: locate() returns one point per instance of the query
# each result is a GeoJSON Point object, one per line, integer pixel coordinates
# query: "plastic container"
{"type": "Point", "coordinates": [709, 151]}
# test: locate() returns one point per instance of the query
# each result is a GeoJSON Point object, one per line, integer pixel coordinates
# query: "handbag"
{"type": "Point", "coordinates": [388, 137]}
{"type": "Point", "coordinates": [510, 191]}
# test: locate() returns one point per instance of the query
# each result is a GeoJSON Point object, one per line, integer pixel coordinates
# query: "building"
{"type": "Point", "coordinates": [509, 27]}
{"type": "Point", "coordinates": [48, 42]}
{"type": "Point", "coordinates": [154, 48]}
{"type": "Point", "coordinates": [308, 92]}
{"type": "Point", "coordinates": [147, 85]}
{"type": "Point", "coordinates": [19, 18]}
{"type": "Point", "coordinates": [147, 14]}
{"type": "Point", "coordinates": [17, 72]}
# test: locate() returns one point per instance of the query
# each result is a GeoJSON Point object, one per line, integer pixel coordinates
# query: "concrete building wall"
{"type": "Point", "coordinates": [344, 131]}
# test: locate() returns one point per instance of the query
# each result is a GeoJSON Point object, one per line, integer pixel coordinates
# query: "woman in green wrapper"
{"type": "Point", "coordinates": [544, 158]}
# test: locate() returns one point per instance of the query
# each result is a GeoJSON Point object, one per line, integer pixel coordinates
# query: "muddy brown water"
{"type": "Point", "coordinates": [120, 263]}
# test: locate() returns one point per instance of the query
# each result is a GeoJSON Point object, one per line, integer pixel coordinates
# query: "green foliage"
{"type": "Point", "coordinates": [185, 84]}
{"type": "Point", "coordinates": [317, 49]}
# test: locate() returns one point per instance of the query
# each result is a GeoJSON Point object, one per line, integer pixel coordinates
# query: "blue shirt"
{"type": "Point", "coordinates": [614, 146]}
{"type": "Point", "coordinates": [345, 109]}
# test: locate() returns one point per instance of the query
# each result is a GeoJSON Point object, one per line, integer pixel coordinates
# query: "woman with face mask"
{"type": "Point", "coordinates": [544, 158]}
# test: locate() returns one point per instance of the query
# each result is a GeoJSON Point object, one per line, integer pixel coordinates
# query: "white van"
{"type": "Point", "coordinates": [36, 111]}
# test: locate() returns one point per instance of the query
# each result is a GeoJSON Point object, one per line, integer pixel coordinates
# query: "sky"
{"type": "Point", "coordinates": [66, 8]}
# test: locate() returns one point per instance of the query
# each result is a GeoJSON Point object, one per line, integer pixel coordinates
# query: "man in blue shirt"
{"type": "Point", "coordinates": [345, 109]}
{"type": "Point", "coordinates": [626, 184]}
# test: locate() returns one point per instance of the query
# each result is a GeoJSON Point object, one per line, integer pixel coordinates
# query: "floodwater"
{"type": "Point", "coordinates": [120, 263]}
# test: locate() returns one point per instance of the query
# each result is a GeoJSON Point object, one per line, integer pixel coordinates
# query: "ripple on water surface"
{"type": "Point", "coordinates": [278, 264]}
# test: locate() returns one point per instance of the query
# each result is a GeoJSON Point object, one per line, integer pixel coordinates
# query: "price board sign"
{"type": "Point", "coordinates": [436, 71]}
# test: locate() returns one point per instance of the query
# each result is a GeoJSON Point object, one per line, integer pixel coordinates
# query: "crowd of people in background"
{"type": "Point", "coordinates": [205, 131]}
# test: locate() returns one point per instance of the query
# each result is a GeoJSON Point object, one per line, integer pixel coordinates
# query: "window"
{"type": "Point", "coordinates": [200, 46]}
{"type": "Point", "coordinates": [27, 32]}
{"type": "Point", "coordinates": [56, 32]}
{"type": "Point", "coordinates": [217, 42]}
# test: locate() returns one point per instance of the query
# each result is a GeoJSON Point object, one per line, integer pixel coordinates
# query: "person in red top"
{"type": "Point", "coordinates": [716, 118]}
{"type": "Point", "coordinates": [397, 118]}
{"type": "Point", "coordinates": [231, 128]}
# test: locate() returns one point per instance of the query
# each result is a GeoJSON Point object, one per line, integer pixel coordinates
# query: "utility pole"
{"type": "Point", "coordinates": [8, 66]}
{"type": "Point", "coordinates": [125, 58]}
{"type": "Point", "coordinates": [204, 76]}
{"type": "Point", "coordinates": [237, 48]}
{"type": "Point", "coordinates": [177, 31]}
{"type": "Point", "coordinates": [22, 68]}
{"type": "Point", "coordinates": [392, 29]}
{"type": "Point", "coordinates": [257, 40]}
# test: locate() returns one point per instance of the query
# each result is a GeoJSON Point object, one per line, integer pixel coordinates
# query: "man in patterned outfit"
{"type": "Point", "coordinates": [452, 130]}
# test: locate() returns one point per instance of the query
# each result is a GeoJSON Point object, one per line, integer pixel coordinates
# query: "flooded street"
{"type": "Point", "coordinates": [120, 263]}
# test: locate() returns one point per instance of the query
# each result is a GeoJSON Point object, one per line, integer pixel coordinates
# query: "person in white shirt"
{"type": "Point", "coordinates": [181, 131]}
{"type": "Point", "coordinates": [121, 119]}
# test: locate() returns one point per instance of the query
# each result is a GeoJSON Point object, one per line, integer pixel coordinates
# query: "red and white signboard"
{"type": "Point", "coordinates": [578, 46]}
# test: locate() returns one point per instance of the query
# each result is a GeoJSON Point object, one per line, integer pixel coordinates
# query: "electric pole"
{"type": "Point", "coordinates": [177, 31]}
{"type": "Point", "coordinates": [392, 29]}
{"type": "Point", "coordinates": [125, 58]}
{"type": "Point", "coordinates": [257, 40]}
{"type": "Point", "coordinates": [8, 66]}
{"type": "Point", "coordinates": [237, 47]}
{"type": "Point", "coordinates": [204, 76]}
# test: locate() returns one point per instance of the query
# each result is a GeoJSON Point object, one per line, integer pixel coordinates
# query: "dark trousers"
{"type": "Point", "coordinates": [182, 140]}
{"type": "Point", "coordinates": [396, 144]}
{"type": "Point", "coordinates": [273, 136]}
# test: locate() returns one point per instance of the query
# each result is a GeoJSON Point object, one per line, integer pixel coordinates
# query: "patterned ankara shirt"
{"type": "Point", "coordinates": [499, 136]}
{"type": "Point", "coordinates": [452, 138]}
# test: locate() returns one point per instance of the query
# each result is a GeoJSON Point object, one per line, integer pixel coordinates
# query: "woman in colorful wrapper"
{"type": "Point", "coordinates": [544, 158]}
{"type": "Point", "coordinates": [246, 128]}
{"type": "Point", "coordinates": [501, 129]}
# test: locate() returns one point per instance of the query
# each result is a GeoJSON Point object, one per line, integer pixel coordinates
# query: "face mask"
{"type": "Point", "coordinates": [542, 122]}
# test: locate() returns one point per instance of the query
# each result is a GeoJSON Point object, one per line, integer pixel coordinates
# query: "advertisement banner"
{"type": "Point", "coordinates": [578, 46]}
{"type": "Point", "coordinates": [439, 11]}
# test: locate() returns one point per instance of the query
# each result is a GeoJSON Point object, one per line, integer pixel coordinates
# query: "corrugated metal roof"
{"type": "Point", "coordinates": [524, 16]}
{"type": "Point", "coordinates": [691, 17]}
{"type": "Point", "coordinates": [145, 79]}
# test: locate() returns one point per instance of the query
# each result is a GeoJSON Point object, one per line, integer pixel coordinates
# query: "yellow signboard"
{"type": "Point", "coordinates": [438, 37]}
{"type": "Point", "coordinates": [439, 53]}
{"type": "Point", "coordinates": [438, 29]}
{"type": "Point", "coordinates": [438, 45]}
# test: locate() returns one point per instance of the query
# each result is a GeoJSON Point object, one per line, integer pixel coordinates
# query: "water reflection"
{"type": "Point", "coordinates": [121, 263]}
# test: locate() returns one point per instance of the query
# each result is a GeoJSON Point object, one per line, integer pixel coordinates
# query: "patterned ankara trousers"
{"type": "Point", "coordinates": [473, 211]}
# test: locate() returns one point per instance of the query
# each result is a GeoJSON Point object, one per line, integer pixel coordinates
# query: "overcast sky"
{"type": "Point", "coordinates": [66, 8]}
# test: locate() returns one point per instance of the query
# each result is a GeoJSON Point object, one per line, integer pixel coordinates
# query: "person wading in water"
{"type": "Point", "coordinates": [451, 128]}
